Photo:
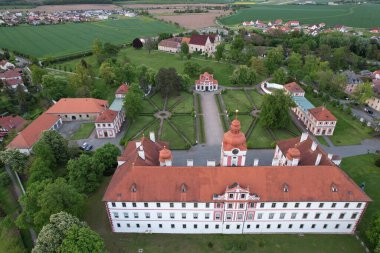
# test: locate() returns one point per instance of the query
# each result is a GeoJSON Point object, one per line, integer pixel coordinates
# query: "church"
{"type": "Point", "coordinates": [304, 191]}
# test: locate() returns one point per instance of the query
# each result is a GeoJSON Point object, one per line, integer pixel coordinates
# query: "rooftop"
{"type": "Point", "coordinates": [108, 116]}
{"type": "Point", "coordinates": [117, 104]}
{"type": "Point", "coordinates": [321, 113]}
{"type": "Point", "coordinates": [78, 105]}
{"type": "Point", "coordinates": [303, 103]}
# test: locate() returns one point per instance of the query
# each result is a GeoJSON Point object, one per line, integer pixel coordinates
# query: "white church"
{"type": "Point", "coordinates": [304, 191]}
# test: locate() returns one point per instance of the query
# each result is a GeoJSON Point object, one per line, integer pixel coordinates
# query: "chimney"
{"type": "Point", "coordinates": [210, 163]}
{"type": "Point", "coordinates": [314, 146]}
{"type": "Point", "coordinates": [256, 162]}
{"type": "Point", "coordinates": [190, 163]}
{"type": "Point", "coordinates": [318, 160]}
{"type": "Point", "coordinates": [152, 136]}
{"type": "Point", "coordinates": [304, 137]}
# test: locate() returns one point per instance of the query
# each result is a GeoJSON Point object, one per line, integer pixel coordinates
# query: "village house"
{"type": "Point", "coordinates": [205, 44]}
{"type": "Point", "coordinates": [376, 74]}
{"type": "Point", "coordinates": [5, 65]}
{"type": "Point", "coordinates": [171, 45]}
{"type": "Point", "coordinates": [121, 91]}
{"type": "Point", "coordinates": [374, 102]}
{"type": "Point", "coordinates": [353, 80]}
{"type": "Point", "coordinates": [12, 77]}
{"type": "Point", "coordinates": [10, 123]}
{"type": "Point", "coordinates": [148, 195]}
{"type": "Point", "coordinates": [206, 82]}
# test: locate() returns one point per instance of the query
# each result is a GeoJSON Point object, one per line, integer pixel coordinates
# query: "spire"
{"type": "Point", "coordinates": [236, 113]}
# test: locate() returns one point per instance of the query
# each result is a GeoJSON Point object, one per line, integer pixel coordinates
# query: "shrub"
{"type": "Point", "coordinates": [4, 179]}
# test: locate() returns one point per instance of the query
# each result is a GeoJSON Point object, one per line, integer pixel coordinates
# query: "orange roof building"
{"type": "Point", "coordinates": [321, 113]}
{"type": "Point", "coordinates": [206, 82]}
{"type": "Point", "coordinates": [108, 123]}
{"type": "Point", "coordinates": [122, 90]}
{"type": "Point", "coordinates": [293, 89]}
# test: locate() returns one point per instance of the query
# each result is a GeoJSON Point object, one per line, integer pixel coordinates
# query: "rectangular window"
{"type": "Point", "coordinates": [304, 216]}
{"type": "Point", "coordinates": [240, 216]}
{"type": "Point", "coordinates": [229, 206]}
{"type": "Point", "coordinates": [149, 226]}
{"type": "Point", "coordinates": [207, 216]}
{"type": "Point", "coordinates": [147, 215]}
{"type": "Point", "coordinates": [282, 215]}
{"type": "Point", "coordinates": [241, 205]}
{"type": "Point", "coordinates": [124, 204]}
{"type": "Point", "coordinates": [217, 216]}
{"type": "Point", "coordinates": [136, 215]}
{"type": "Point", "coordinates": [359, 205]}
{"type": "Point", "coordinates": [349, 226]}
{"type": "Point", "coordinates": [207, 205]}
{"type": "Point", "coordinates": [195, 226]}
{"type": "Point", "coordinates": [294, 215]}
{"type": "Point", "coordinates": [137, 225]}
{"type": "Point", "coordinates": [227, 226]}
{"type": "Point", "coordinates": [118, 225]}
{"type": "Point", "coordinates": [346, 205]}
{"type": "Point", "coordinates": [231, 196]}
{"type": "Point", "coordinates": [126, 215]}
{"type": "Point", "coordinates": [116, 214]}
{"type": "Point", "coordinates": [273, 205]}
{"type": "Point", "coordinates": [341, 216]}
{"type": "Point", "coordinates": [248, 226]}
{"type": "Point", "coordinates": [296, 205]}
{"type": "Point", "coordinates": [183, 205]}
{"type": "Point", "coordinates": [172, 215]}
{"type": "Point", "coordinates": [145, 204]}
{"type": "Point", "coordinates": [242, 196]}
{"type": "Point", "coordinates": [308, 205]}
{"type": "Point", "coordinates": [216, 226]}
{"type": "Point", "coordinates": [336, 226]}
{"type": "Point", "coordinates": [159, 215]}
{"type": "Point", "coordinates": [206, 226]}
{"type": "Point", "coordinates": [250, 216]}
{"type": "Point", "coordinates": [251, 205]}
{"type": "Point", "coordinates": [160, 225]}
{"type": "Point", "coordinates": [183, 215]}
{"type": "Point", "coordinates": [257, 226]}
{"type": "Point", "coordinates": [259, 216]}
{"type": "Point", "coordinates": [354, 215]}
{"type": "Point", "coordinates": [329, 215]}
{"type": "Point", "coordinates": [268, 226]}
{"type": "Point", "coordinates": [321, 205]}
{"type": "Point", "coordinates": [158, 204]}
{"type": "Point", "coordinates": [290, 226]}
{"type": "Point", "coordinates": [333, 205]}
{"type": "Point", "coordinates": [218, 205]}
{"type": "Point", "coordinates": [171, 205]}
{"type": "Point", "coordinates": [113, 204]}
{"type": "Point", "coordinates": [324, 226]}
{"type": "Point", "coordinates": [313, 226]}
{"type": "Point", "coordinates": [229, 216]}
{"type": "Point", "coordinates": [128, 225]}
{"type": "Point", "coordinates": [284, 205]}
{"type": "Point", "coordinates": [262, 205]}
{"type": "Point", "coordinates": [134, 204]}
{"type": "Point", "coordinates": [172, 226]}
{"type": "Point", "coordinates": [184, 226]}
{"type": "Point", "coordinates": [271, 215]}
{"type": "Point", "coordinates": [301, 226]}
{"type": "Point", "coordinates": [195, 215]}
{"type": "Point", "coordinates": [317, 215]}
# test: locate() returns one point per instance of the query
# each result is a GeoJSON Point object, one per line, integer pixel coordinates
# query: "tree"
{"type": "Point", "coordinates": [275, 110]}
{"type": "Point", "coordinates": [373, 232]}
{"type": "Point", "coordinates": [107, 155]}
{"type": "Point", "coordinates": [47, 197]}
{"type": "Point", "coordinates": [107, 73]}
{"type": "Point", "coordinates": [85, 173]}
{"type": "Point", "coordinates": [39, 170]}
{"type": "Point", "coordinates": [83, 78]}
{"type": "Point", "coordinates": [274, 59]}
{"type": "Point", "coordinates": [258, 64]}
{"type": "Point", "coordinates": [37, 74]}
{"type": "Point", "coordinates": [137, 44]}
{"type": "Point", "coordinates": [52, 234]}
{"type": "Point", "coordinates": [55, 87]}
{"type": "Point", "coordinates": [129, 71]}
{"type": "Point", "coordinates": [364, 92]}
{"type": "Point", "coordinates": [192, 69]}
{"type": "Point", "coordinates": [133, 102]}
{"type": "Point", "coordinates": [184, 48]}
{"type": "Point", "coordinates": [150, 44]}
{"type": "Point", "coordinates": [57, 144]}
{"type": "Point", "coordinates": [295, 66]}
{"type": "Point", "coordinates": [219, 51]}
{"type": "Point", "coordinates": [168, 82]}
{"type": "Point", "coordinates": [82, 240]}
{"type": "Point", "coordinates": [280, 76]}
{"type": "Point", "coordinates": [15, 159]}
{"type": "Point", "coordinates": [97, 51]}
{"type": "Point", "coordinates": [243, 75]}
{"type": "Point", "coordinates": [110, 50]}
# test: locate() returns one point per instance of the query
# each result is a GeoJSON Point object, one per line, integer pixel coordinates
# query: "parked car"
{"type": "Point", "coordinates": [84, 146]}
{"type": "Point", "coordinates": [369, 112]}
{"type": "Point", "coordinates": [88, 148]}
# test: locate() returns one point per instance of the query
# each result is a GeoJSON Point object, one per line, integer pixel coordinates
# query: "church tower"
{"type": "Point", "coordinates": [234, 147]}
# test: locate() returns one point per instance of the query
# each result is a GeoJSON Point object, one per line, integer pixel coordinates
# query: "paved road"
{"type": "Point", "coordinates": [211, 119]}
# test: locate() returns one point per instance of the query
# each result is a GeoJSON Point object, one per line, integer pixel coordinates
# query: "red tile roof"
{"type": "Point", "coordinates": [12, 122]}
{"type": "Point", "coordinates": [12, 82]}
{"type": "Point", "coordinates": [108, 116]}
{"type": "Point", "coordinates": [11, 73]}
{"type": "Point", "coordinates": [206, 77]}
{"type": "Point", "coordinates": [293, 87]}
{"type": "Point", "coordinates": [201, 40]}
{"type": "Point", "coordinates": [171, 42]}
{"type": "Point", "coordinates": [322, 114]}
{"type": "Point", "coordinates": [234, 138]}
{"type": "Point", "coordinates": [32, 133]}
{"type": "Point", "coordinates": [123, 89]}
{"type": "Point", "coordinates": [163, 184]}
{"type": "Point", "coordinates": [78, 105]}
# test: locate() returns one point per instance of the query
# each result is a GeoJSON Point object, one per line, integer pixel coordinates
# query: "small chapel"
{"type": "Point", "coordinates": [206, 82]}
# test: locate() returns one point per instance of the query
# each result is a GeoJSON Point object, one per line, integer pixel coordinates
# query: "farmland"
{"type": "Point", "coordinates": [365, 16]}
{"type": "Point", "coordinates": [64, 39]}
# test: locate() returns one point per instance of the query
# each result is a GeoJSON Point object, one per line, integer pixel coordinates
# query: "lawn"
{"type": "Point", "coordinates": [137, 125]}
{"type": "Point", "coordinates": [260, 137]}
{"type": "Point", "coordinates": [186, 125]}
{"type": "Point", "coordinates": [245, 122]}
{"type": "Point", "coordinates": [84, 131]}
{"type": "Point", "coordinates": [148, 107]}
{"type": "Point", "coordinates": [186, 105]}
{"type": "Point", "coordinates": [237, 100]}
{"type": "Point", "coordinates": [365, 15]}
{"type": "Point", "coordinates": [287, 133]}
{"type": "Point", "coordinates": [362, 169]}
{"type": "Point", "coordinates": [158, 100]}
{"type": "Point", "coordinates": [170, 135]}
{"type": "Point", "coordinates": [322, 141]}
{"type": "Point", "coordinates": [64, 39]}
{"type": "Point", "coordinates": [97, 218]}
{"type": "Point", "coordinates": [346, 126]}
{"type": "Point", "coordinates": [256, 97]}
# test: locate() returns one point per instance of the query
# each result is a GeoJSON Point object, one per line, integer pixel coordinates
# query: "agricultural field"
{"type": "Point", "coordinates": [64, 39]}
{"type": "Point", "coordinates": [364, 16]}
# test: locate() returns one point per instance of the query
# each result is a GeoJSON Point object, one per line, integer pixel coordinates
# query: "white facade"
{"type": "Point", "coordinates": [235, 157]}
{"type": "Point", "coordinates": [208, 48]}
{"type": "Point", "coordinates": [170, 49]}
{"type": "Point", "coordinates": [315, 126]}
{"type": "Point", "coordinates": [110, 129]}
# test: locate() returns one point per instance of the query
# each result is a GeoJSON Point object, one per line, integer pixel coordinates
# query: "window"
{"type": "Point", "coordinates": [149, 226]}
{"type": "Point", "coordinates": [273, 205]}
{"type": "Point", "coordinates": [231, 196]}
{"type": "Point", "coordinates": [257, 226]}
{"type": "Point", "coordinates": [172, 226]}
{"type": "Point", "coordinates": [118, 225]}
{"type": "Point", "coordinates": [104, 125]}
{"type": "Point", "coordinates": [308, 205]}
{"type": "Point", "coordinates": [333, 205]}
{"type": "Point", "coordinates": [349, 226]}
{"type": "Point", "coordinates": [268, 226]}
{"type": "Point", "coordinates": [145, 204]}
{"type": "Point", "coordinates": [304, 216]}
{"type": "Point", "coordinates": [136, 215]}
{"type": "Point", "coordinates": [134, 204]}
{"type": "Point", "coordinates": [227, 226]}
{"type": "Point", "coordinates": [317, 215]}
{"type": "Point", "coordinates": [195, 215]}
{"type": "Point", "coordinates": [113, 204]}
{"type": "Point", "coordinates": [251, 205]}
{"type": "Point", "coordinates": [294, 215]}
{"type": "Point", "coordinates": [313, 226]}
{"type": "Point", "coordinates": [259, 216]}
{"type": "Point", "coordinates": [229, 206]}
{"type": "Point", "coordinates": [336, 226]}
{"type": "Point", "coordinates": [241, 205]}
{"type": "Point", "coordinates": [296, 205]}
{"type": "Point", "coordinates": [207, 216]}
{"type": "Point", "coordinates": [184, 226]}
{"type": "Point", "coordinates": [160, 225]}
{"type": "Point", "coordinates": [159, 215]}
{"type": "Point", "coordinates": [147, 215]}
{"type": "Point", "coordinates": [290, 226]}
{"type": "Point", "coordinates": [183, 215]}
{"type": "Point", "coordinates": [172, 215]}
{"type": "Point", "coordinates": [137, 225]}
{"type": "Point", "coordinates": [324, 226]}
{"type": "Point", "coordinates": [217, 216]}
{"type": "Point", "coordinates": [282, 215]}
{"type": "Point", "coordinates": [116, 214]}
{"type": "Point", "coordinates": [301, 226]}
{"type": "Point", "coordinates": [158, 204]}
{"type": "Point", "coordinates": [359, 205]}
{"type": "Point", "coordinates": [341, 216]}
{"type": "Point", "coordinates": [242, 196]}
{"type": "Point", "coordinates": [329, 215]}
{"type": "Point", "coordinates": [240, 216]}
{"type": "Point", "coordinates": [207, 205]}
{"type": "Point", "coordinates": [262, 205]}
{"type": "Point", "coordinates": [172, 205]}
{"type": "Point", "coordinates": [126, 215]}
{"type": "Point", "coordinates": [108, 124]}
{"type": "Point", "coordinates": [346, 205]}
{"type": "Point", "coordinates": [248, 226]}
{"type": "Point", "coordinates": [218, 205]}
{"type": "Point", "coordinates": [250, 216]}
{"type": "Point", "coordinates": [229, 216]}
{"type": "Point", "coordinates": [216, 226]}
{"type": "Point", "coordinates": [354, 215]}
{"type": "Point", "coordinates": [128, 225]}
{"type": "Point", "coordinates": [183, 205]}
{"type": "Point", "coordinates": [124, 204]}
{"type": "Point", "coordinates": [321, 205]}
{"type": "Point", "coordinates": [271, 215]}
{"type": "Point", "coordinates": [284, 205]}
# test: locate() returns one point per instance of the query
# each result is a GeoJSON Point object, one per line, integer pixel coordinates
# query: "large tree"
{"type": "Point", "coordinates": [107, 155]}
{"type": "Point", "coordinates": [82, 240]}
{"type": "Point", "coordinates": [107, 72]}
{"type": "Point", "coordinates": [168, 82]}
{"type": "Point", "coordinates": [55, 87]}
{"type": "Point", "coordinates": [83, 79]}
{"type": "Point", "coordinates": [133, 102]}
{"type": "Point", "coordinates": [39, 170]}
{"type": "Point", "coordinates": [295, 66]}
{"type": "Point", "coordinates": [243, 75]}
{"type": "Point", "coordinates": [184, 48]}
{"type": "Point", "coordinates": [219, 54]}
{"type": "Point", "coordinates": [15, 159]}
{"type": "Point", "coordinates": [57, 144]}
{"type": "Point", "coordinates": [274, 59]}
{"type": "Point", "coordinates": [258, 64]}
{"type": "Point", "coordinates": [150, 44]}
{"type": "Point", "coordinates": [192, 69]}
{"type": "Point", "coordinates": [364, 92]}
{"type": "Point", "coordinates": [137, 44]}
{"type": "Point", "coordinates": [275, 110]}
{"type": "Point", "coordinates": [280, 76]}
{"type": "Point", "coordinates": [37, 74]}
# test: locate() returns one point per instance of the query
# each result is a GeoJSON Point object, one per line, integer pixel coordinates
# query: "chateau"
{"type": "Point", "coordinates": [304, 192]}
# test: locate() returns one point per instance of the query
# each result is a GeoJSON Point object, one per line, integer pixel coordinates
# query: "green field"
{"type": "Point", "coordinates": [64, 39]}
{"type": "Point", "coordinates": [84, 131]}
{"type": "Point", "coordinates": [365, 16]}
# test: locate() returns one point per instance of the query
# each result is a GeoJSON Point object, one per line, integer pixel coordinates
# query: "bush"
{"type": "Point", "coordinates": [4, 179]}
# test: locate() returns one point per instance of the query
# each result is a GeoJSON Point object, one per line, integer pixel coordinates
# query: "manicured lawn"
{"type": "Point", "coordinates": [186, 125]}
{"type": "Point", "coordinates": [97, 218]}
{"type": "Point", "coordinates": [260, 137]}
{"type": "Point", "coordinates": [147, 107]}
{"type": "Point", "coordinates": [152, 128]}
{"type": "Point", "coordinates": [170, 135]}
{"type": "Point", "coordinates": [363, 169]}
{"type": "Point", "coordinates": [64, 39]}
{"type": "Point", "coordinates": [137, 125]}
{"type": "Point", "coordinates": [287, 133]}
{"type": "Point", "coordinates": [256, 97]}
{"type": "Point", "coordinates": [348, 131]}
{"type": "Point", "coordinates": [84, 131]}
{"type": "Point", "coordinates": [158, 100]}
{"type": "Point", "coordinates": [237, 100]}
{"type": "Point", "coordinates": [186, 105]}
{"type": "Point", "coordinates": [322, 141]}
{"type": "Point", "coordinates": [245, 122]}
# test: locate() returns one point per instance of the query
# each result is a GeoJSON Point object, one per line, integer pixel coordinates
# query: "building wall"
{"type": "Point", "coordinates": [259, 217]}
{"type": "Point", "coordinates": [374, 103]}
{"type": "Point", "coordinates": [210, 86]}
{"type": "Point", "coordinates": [169, 49]}
{"type": "Point", "coordinates": [78, 116]}
{"type": "Point", "coordinates": [314, 126]}
{"type": "Point", "coordinates": [112, 128]}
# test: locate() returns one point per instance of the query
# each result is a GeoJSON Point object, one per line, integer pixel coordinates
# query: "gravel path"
{"type": "Point", "coordinates": [213, 126]}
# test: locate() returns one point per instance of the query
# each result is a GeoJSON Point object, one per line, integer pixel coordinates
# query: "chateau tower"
{"type": "Point", "coordinates": [234, 147]}
{"type": "Point", "coordinates": [165, 157]}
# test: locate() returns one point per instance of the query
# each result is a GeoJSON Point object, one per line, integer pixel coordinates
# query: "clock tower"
{"type": "Point", "coordinates": [234, 147]}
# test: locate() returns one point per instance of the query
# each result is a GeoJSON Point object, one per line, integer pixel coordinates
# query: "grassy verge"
{"type": "Point", "coordinates": [158, 100]}
{"type": "Point", "coordinates": [202, 135]}
{"type": "Point", "coordinates": [148, 107]}
{"type": "Point", "coordinates": [137, 125]}
{"type": "Point", "coordinates": [84, 131]}
{"type": "Point", "coordinates": [287, 133]}
{"type": "Point", "coordinates": [322, 141]}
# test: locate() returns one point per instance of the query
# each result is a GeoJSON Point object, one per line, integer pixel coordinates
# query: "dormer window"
{"type": "Point", "coordinates": [183, 188]}
{"type": "Point", "coordinates": [285, 187]}
{"type": "Point", "coordinates": [133, 187]}
{"type": "Point", "coordinates": [334, 188]}
{"type": "Point", "coordinates": [231, 195]}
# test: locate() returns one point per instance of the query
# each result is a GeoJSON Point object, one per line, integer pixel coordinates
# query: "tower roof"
{"type": "Point", "coordinates": [234, 138]}
{"type": "Point", "coordinates": [165, 154]}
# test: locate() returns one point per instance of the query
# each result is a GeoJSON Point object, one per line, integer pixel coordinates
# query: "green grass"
{"type": "Point", "coordinates": [260, 137]}
{"type": "Point", "coordinates": [158, 100]}
{"type": "Point", "coordinates": [363, 169]}
{"type": "Point", "coordinates": [186, 105]}
{"type": "Point", "coordinates": [256, 97]}
{"type": "Point", "coordinates": [287, 133]}
{"type": "Point", "coordinates": [97, 219]}
{"type": "Point", "coordinates": [365, 15]}
{"type": "Point", "coordinates": [186, 125]}
{"type": "Point", "coordinates": [245, 122]}
{"type": "Point", "coordinates": [237, 100]}
{"type": "Point", "coordinates": [322, 141]}
{"type": "Point", "coordinates": [137, 125]}
{"type": "Point", "coordinates": [84, 131]}
{"type": "Point", "coordinates": [170, 135]}
{"type": "Point", "coordinates": [348, 131]}
{"type": "Point", "coordinates": [64, 39]}
{"type": "Point", "coordinates": [147, 107]}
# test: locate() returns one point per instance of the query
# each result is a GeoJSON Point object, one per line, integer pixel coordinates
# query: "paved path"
{"type": "Point", "coordinates": [213, 126]}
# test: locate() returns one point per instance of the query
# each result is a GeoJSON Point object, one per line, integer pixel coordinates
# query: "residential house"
{"type": "Point", "coordinates": [353, 80]}
{"type": "Point", "coordinates": [122, 90]}
{"type": "Point", "coordinates": [5, 65]}
{"type": "Point", "coordinates": [171, 45]}
{"type": "Point", "coordinates": [10, 123]}
{"type": "Point", "coordinates": [12, 77]}
{"type": "Point", "coordinates": [205, 44]}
